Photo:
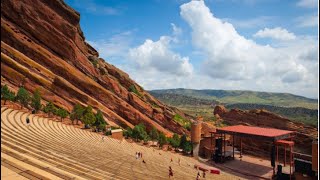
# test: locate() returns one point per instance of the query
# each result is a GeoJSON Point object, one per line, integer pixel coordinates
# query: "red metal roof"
{"type": "Point", "coordinates": [256, 131]}
{"type": "Point", "coordinates": [284, 142]}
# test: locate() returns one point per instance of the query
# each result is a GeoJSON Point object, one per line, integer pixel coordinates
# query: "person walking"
{"type": "Point", "coordinates": [170, 172]}
{"type": "Point", "coordinates": [171, 160]}
{"type": "Point", "coordinates": [179, 161]}
{"type": "Point", "coordinates": [136, 155]}
{"type": "Point", "coordinates": [102, 138]}
{"type": "Point", "coordinates": [141, 154]}
{"type": "Point", "coordinates": [204, 174]}
{"type": "Point", "coordinates": [198, 176]}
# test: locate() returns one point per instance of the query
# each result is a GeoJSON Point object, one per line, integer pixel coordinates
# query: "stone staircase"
{"type": "Point", "coordinates": [47, 149]}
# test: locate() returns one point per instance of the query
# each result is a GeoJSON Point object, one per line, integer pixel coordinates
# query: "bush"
{"type": "Point", "coordinates": [62, 113]}
{"type": "Point", "coordinates": [127, 133]}
{"type": "Point", "coordinates": [36, 101]}
{"type": "Point", "coordinates": [88, 117]}
{"type": "Point", "coordinates": [100, 123]}
{"type": "Point", "coordinates": [76, 113]}
{"type": "Point", "coordinates": [6, 94]}
{"type": "Point", "coordinates": [187, 147]}
{"type": "Point", "coordinates": [175, 140]}
{"type": "Point", "coordinates": [162, 139]}
{"type": "Point", "coordinates": [139, 132]}
{"type": "Point", "coordinates": [133, 89]}
{"type": "Point", "coordinates": [154, 135]}
{"type": "Point", "coordinates": [23, 97]}
{"type": "Point", "coordinates": [50, 108]}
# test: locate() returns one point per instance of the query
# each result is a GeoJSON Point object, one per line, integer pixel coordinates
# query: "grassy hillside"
{"type": "Point", "coordinates": [251, 97]}
{"type": "Point", "coordinates": [201, 103]}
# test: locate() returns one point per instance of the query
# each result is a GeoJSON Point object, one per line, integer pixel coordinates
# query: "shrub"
{"type": "Point", "coordinates": [62, 113]}
{"type": "Point", "coordinates": [88, 117]}
{"type": "Point", "coordinates": [50, 108]}
{"type": "Point", "coordinates": [139, 132]}
{"type": "Point", "coordinates": [6, 94]}
{"type": "Point", "coordinates": [127, 133]}
{"type": "Point", "coordinates": [133, 89]}
{"type": "Point", "coordinates": [154, 135]}
{"type": "Point", "coordinates": [23, 97]}
{"type": "Point", "coordinates": [100, 123]}
{"type": "Point", "coordinates": [175, 141]}
{"type": "Point", "coordinates": [162, 139]}
{"type": "Point", "coordinates": [76, 113]}
{"type": "Point", "coordinates": [36, 100]}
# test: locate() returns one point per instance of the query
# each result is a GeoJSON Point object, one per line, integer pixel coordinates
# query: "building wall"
{"type": "Point", "coordinates": [206, 142]}
{"type": "Point", "coordinates": [196, 132]}
{"type": "Point", "coordinates": [117, 135]}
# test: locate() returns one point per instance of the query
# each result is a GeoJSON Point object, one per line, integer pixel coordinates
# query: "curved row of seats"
{"type": "Point", "coordinates": [46, 149]}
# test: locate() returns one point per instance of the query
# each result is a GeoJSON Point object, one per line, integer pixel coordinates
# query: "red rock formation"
{"type": "Point", "coordinates": [262, 118]}
{"type": "Point", "coordinates": [42, 46]}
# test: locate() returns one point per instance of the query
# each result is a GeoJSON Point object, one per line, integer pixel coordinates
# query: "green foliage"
{"type": "Point", "coordinates": [36, 100]}
{"type": "Point", "coordinates": [187, 147]}
{"type": "Point", "coordinates": [154, 135]}
{"type": "Point", "coordinates": [50, 108]}
{"type": "Point", "coordinates": [100, 123]}
{"type": "Point", "coordinates": [127, 133]}
{"type": "Point", "coordinates": [23, 97]}
{"type": "Point", "coordinates": [183, 141]}
{"type": "Point", "coordinates": [108, 133]}
{"type": "Point", "coordinates": [139, 132]}
{"type": "Point", "coordinates": [133, 89]}
{"type": "Point", "coordinates": [88, 118]}
{"type": "Point", "coordinates": [162, 139]}
{"type": "Point", "coordinates": [77, 112]}
{"type": "Point", "coordinates": [6, 94]}
{"type": "Point", "coordinates": [175, 140]}
{"type": "Point", "coordinates": [62, 113]}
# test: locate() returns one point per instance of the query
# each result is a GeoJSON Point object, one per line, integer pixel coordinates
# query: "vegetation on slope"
{"type": "Point", "coordinates": [252, 97]}
{"type": "Point", "coordinates": [201, 103]}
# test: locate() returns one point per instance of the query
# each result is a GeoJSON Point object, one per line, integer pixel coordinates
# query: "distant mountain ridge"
{"type": "Point", "coordinates": [239, 96]}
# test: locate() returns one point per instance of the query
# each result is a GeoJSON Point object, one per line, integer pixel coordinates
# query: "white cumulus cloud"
{"type": "Point", "coordinates": [275, 33]}
{"type": "Point", "coordinates": [232, 57]}
{"type": "Point", "coordinates": [157, 56]}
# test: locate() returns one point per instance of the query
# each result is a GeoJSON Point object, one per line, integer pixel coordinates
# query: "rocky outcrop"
{"type": "Point", "coordinates": [43, 47]}
{"type": "Point", "coordinates": [262, 118]}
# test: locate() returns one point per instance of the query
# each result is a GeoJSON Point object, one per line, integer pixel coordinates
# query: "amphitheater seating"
{"type": "Point", "coordinates": [48, 149]}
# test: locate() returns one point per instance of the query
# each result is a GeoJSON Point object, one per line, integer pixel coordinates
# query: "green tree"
{"type": "Point", "coordinates": [36, 100]}
{"type": "Point", "coordinates": [23, 97]}
{"type": "Point", "coordinates": [100, 123]}
{"type": "Point", "coordinates": [6, 94]}
{"type": "Point", "coordinates": [187, 147]}
{"type": "Point", "coordinates": [162, 139]}
{"type": "Point", "coordinates": [62, 113]}
{"type": "Point", "coordinates": [175, 140]}
{"type": "Point", "coordinates": [139, 132]}
{"type": "Point", "coordinates": [76, 113]}
{"type": "Point", "coordinates": [88, 118]}
{"type": "Point", "coordinates": [50, 108]}
{"type": "Point", "coordinates": [183, 141]}
{"type": "Point", "coordinates": [128, 132]}
{"type": "Point", "coordinates": [154, 135]}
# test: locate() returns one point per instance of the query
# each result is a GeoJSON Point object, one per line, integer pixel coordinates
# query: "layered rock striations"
{"type": "Point", "coordinates": [43, 47]}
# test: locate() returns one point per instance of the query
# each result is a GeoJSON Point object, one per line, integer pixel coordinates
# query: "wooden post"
{"type": "Point", "coordinates": [233, 146]}
{"type": "Point", "coordinates": [224, 137]}
{"type": "Point", "coordinates": [277, 155]}
{"type": "Point", "coordinates": [240, 147]}
{"type": "Point", "coordinates": [284, 160]}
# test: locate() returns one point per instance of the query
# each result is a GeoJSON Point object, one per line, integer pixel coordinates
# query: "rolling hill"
{"type": "Point", "coordinates": [201, 102]}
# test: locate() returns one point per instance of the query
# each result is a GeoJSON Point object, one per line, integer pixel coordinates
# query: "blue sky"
{"type": "Point", "coordinates": [262, 45]}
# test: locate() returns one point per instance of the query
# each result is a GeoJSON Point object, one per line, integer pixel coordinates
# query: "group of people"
{"type": "Point", "coordinates": [138, 155]}
{"type": "Point", "coordinates": [197, 178]}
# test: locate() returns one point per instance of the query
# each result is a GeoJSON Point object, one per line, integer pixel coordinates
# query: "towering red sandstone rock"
{"type": "Point", "coordinates": [42, 46]}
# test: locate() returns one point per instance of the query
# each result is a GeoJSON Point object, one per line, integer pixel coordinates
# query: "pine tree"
{"type": "Point", "coordinates": [36, 100]}
{"type": "Point", "coordinates": [6, 94]}
{"type": "Point", "coordinates": [23, 97]}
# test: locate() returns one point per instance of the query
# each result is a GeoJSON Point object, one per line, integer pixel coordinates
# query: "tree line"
{"type": "Point", "coordinates": [79, 112]}
{"type": "Point", "coordinates": [139, 133]}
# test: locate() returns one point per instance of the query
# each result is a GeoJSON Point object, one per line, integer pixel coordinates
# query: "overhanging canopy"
{"type": "Point", "coordinates": [256, 132]}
